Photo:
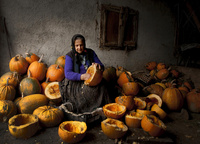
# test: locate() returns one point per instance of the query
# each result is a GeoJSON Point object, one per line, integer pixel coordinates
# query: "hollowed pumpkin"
{"type": "Point", "coordinates": [131, 88]}
{"type": "Point", "coordinates": [139, 103]}
{"type": "Point", "coordinates": [133, 119]}
{"type": "Point", "coordinates": [55, 73]}
{"type": "Point", "coordinates": [153, 89]}
{"type": "Point", "coordinates": [23, 126]}
{"type": "Point", "coordinates": [72, 131]}
{"type": "Point", "coordinates": [127, 101]}
{"type": "Point", "coordinates": [145, 112]}
{"type": "Point", "coordinates": [96, 76]}
{"type": "Point", "coordinates": [153, 125]}
{"type": "Point", "coordinates": [49, 116]}
{"type": "Point", "coordinates": [153, 99]}
{"type": "Point", "coordinates": [7, 110]}
{"type": "Point", "coordinates": [52, 92]}
{"type": "Point", "coordinates": [124, 78]}
{"type": "Point", "coordinates": [159, 111]}
{"type": "Point", "coordinates": [31, 57]}
{"type": "Point", "coordinates": [113, 128]}
{"type": "Point", "coordinates": [114, 110]}
{"type": "Point", "coordinates": [60, 61]}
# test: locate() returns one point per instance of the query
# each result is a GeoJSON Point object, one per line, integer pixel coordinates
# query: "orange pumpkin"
{"type": "Point", "coordinates": [114, 110]}
{"type": "Point", "coordinates": [96, 76]}
{"type": "Point", "coordinates": [193, 101]}
{"type": "Point", "coordinates": [44, 84]}
{"type": "Point", "coordinates": [151, 65]}
{"type": "Point", "coordinates": [31, 57]}
{"type": "Point", "coordinates": [124, 78]}
{"type": "Point", "coordinates": [37, 69]}
{"type": "Point", "coordinates": [7, 91]}
{"type": "Point", "coordinates": [18, 64]}
{"type": "Point", "coordinates": [159, 111]}
{"type": "Point", "coordinates": [161, 66]}
{"type": "Point", "coordinates": [131, 88]}
{"type": "Point", "coordinates": [139, 103]}
{"type": "Point", "coordinates": [60, 61]}
{"type": "Point", "coordinates": [127, 101]}
{"type": "Point", "coordinates": [72, 131]}
{"type": "Point", "coordinates": [174, 73]}
{"type": "Point", "coordinates": [153, 89]}
{"type": "Point", "coordinates": [55, 73]}
{"type": "Point", "coordinates": [49, 116]}
{"type": "Point", "coordinates": [153, 99]}
{"type": "Point", "coordinates": [162, 74]}
{"type": "Point", "coordinates": [7, 110]}
{"type": "Point", "coordinates": [14, 78]}
{"type": "Point", "coordinates": [133, 119]}
{"type": "Point", "coordinates": [153, 125]}
{"type": "Point", "coordinates": [120, 70]}
{"type": "Point", "coordinates": [173, 99]}
{"type": "Point", "coordinates": [113, 128]}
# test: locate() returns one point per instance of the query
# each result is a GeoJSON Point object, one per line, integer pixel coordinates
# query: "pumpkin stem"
{"type": "Point", "coordinates": [41, 58]}
{"type": "Point", "coordinates": [57, 67]}
{"type": "Point", "coordinates": [17, 57]}
{"type": "Point", "coordinates": [47, 79]}
{"type": "Point", "coordinates": [29, 73]}
{"type": "Point", "coordinates": [7, 83]}
{"type": "Point", "coordinates": [27, 54]}
{"type": "Point", "coordinates": [22, 95]}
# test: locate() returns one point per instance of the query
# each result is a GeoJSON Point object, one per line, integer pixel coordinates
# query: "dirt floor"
{"type": "Point", "coordinates": [182, 128]}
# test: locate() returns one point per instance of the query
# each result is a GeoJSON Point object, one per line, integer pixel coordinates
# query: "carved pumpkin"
{"type": "Point", "coordinates": [161, 66]}
{"type": "Point", "coordinates": [29, 103]}
{"type": "Point", "coordinates": [96, 76]}
{"type": "Point", "coordinates": [159, 111]}
{"type": "Point", "coordinates": [37, 69]}
{"type": "Point", "coordinates": [124, 78]}
{"type": "Point", "coordinates": [114, 110]}
{"type": "Point", "coordinates": [133, 119]}
{"type": "Point", "coordinates": [193, 101]}
{"type": "Point", "coordinates": [60, 61]}
{"type": "Point", "coordinates": [7, 91]}
{"type": "Point", "coordinates": [18, 64]}
{"type": "Point", "coordinates": [23, 126]}
{"type": "Point", "coordinates": [153, 99]}
{"type": "Point", "coordinates": [145, 112]}
{"type": "Point", "coordinates": [55, 73]}
{"type": "Point", "coordinates": [162, 74]}
{"type": "Point", "coordinates": [153, 125]}
{"type": "Point", "coordinates": [173, 99]}
{"type": "Point", "coordinates": [139, 103]}
{"type": "Point", "coordinates": [153, 89]}
{"type": "Point", "coordinates": [127, 101]}
{"type": "Point", "coordinates": [7, 110]}
{"type": "Point", "coordinates": [49, 116]}
{"type": "Point", "coordinates": [29, 85]}
{"type": "Point", "coordinates": [113, 128]}
{"type": "Point", "coordinates": [72, 131]}
{"type": "Point", "coordinates": [31, 57]}
{"type": "Point", "coordinates": [151, 65]}
{"type": "Point", "coordinates": [14, 78]}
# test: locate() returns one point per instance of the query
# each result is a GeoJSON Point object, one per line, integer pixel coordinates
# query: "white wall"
{"type": "Point", "coordinates": [46, 27]}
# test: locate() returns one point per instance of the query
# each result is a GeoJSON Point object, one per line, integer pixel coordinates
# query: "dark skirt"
{"type": "Point", "coordinates": [82, 97]}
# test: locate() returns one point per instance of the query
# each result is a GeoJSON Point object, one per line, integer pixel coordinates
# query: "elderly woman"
{"type": "Point", "coordinates": [77, 97]}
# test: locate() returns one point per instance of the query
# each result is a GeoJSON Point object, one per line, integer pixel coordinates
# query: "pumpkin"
{"type": "Point", "coordinates": [162, 74]}
{"type": "Point", "coordinates": [52, 92]}
{"type": "Point", "coordinates": [114, 110]}
{"type": "Point", "coordinates": [161, 66]}
{"type": "Point", "coordinates": [37, 69]}
{"type": "Point", "coordinates": [23, 126]}
{"type": "Point", "coordinates": [55, 73]}
{"type": "Point", "coordinates": [153, 99]}
{"type": "Point", "coordinates": [96, 76]}
{"type": "Point", "coordinates": [44, 84]}
{"type": "Point", "coordinates": [159, 111]}
{"type": "Point", "coordinates": [173, 99]}
{"type": "Point", "coordinates": [31, 57]}
{"type": "Point", "coordinates": [14, 78]}
{"type": "Point", "coordinates": [72, 131]}
{"type": "Point", "coordinates": [109, 74]}
{"type": "Point", "coordinates": [7, 110]}
{"type": "Point", "coordinates": [60, 61]}
{"type": "Point", "coordinates": [152, 73]}
{"type": "Point", "coordinates": [153, 89]}
{"type": "Point", "coordinates": [189, 84]}
{"type": "Point", "coordinates": [49, 116]}
{"type": "Point", "coordinates": [131, 88]}
{"type": "Point", "coordinates": [120, 70]}
{"type": "Point", "coordinates": [161, 84]}
{"type": "Point", "coordinates": [145, 112]}
{"type": "Point", "coordinates": [127, 101]}
{"type": "Point", "coordinates": [151, 65]}
{"type": "Point", "coordinates": [18, 64]}
{"type": "Point", "coordinates": [29, 85]}
{"type": "Point", "coordinates": [7, 91]}
{"type": "Point", "coordinates": [139, 103]}
{"type": "Point", "coordinates": [29, 103]}
{"type": "Point", "coordinates": [174, 73]}
{"type": "Point", "coordinates": [133, 119]}
{"type": "Point", "coordinates": [113, 128]}
{"type": "Point", "coordinates": [193, 101]}
{"type": "Point", "coordinates": [153, 125]}
{"type": "Point", "coordinates": [184, 90]}
{"type": "Point", "coordinates": [124, 78]}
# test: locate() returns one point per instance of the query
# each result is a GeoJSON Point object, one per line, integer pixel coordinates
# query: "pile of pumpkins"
{"type": "Point", "coordinates": [145, 105]}
{"type": "Point", "coordinates": [30, 88]}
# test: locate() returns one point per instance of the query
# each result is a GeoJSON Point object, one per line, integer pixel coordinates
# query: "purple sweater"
{"type": "Point", "coordinates": [70, 74]}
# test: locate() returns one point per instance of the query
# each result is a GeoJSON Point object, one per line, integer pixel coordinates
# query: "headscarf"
{"type": "Point", "coordinates": [87, 52]}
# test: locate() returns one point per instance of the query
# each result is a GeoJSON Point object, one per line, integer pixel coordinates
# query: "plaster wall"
{"type": "Point", "coordinates": [46, 27]}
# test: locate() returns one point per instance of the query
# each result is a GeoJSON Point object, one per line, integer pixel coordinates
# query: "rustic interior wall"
{"type": "Point", "coordinates": [46, 27]}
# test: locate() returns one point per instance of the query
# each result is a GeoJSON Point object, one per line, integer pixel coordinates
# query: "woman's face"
{"type": "Point", "coordinates": [79, 46]}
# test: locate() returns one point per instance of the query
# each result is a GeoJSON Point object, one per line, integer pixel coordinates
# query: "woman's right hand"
{"type": "Point", "coordinates": [85, 76]}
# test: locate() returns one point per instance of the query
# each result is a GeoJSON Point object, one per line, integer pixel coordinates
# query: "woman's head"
{"type": "Point", "coordinates": [78, 43]}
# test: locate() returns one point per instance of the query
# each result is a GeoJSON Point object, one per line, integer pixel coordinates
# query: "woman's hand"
{"type": "Point", "coordinates": [85, 76]}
